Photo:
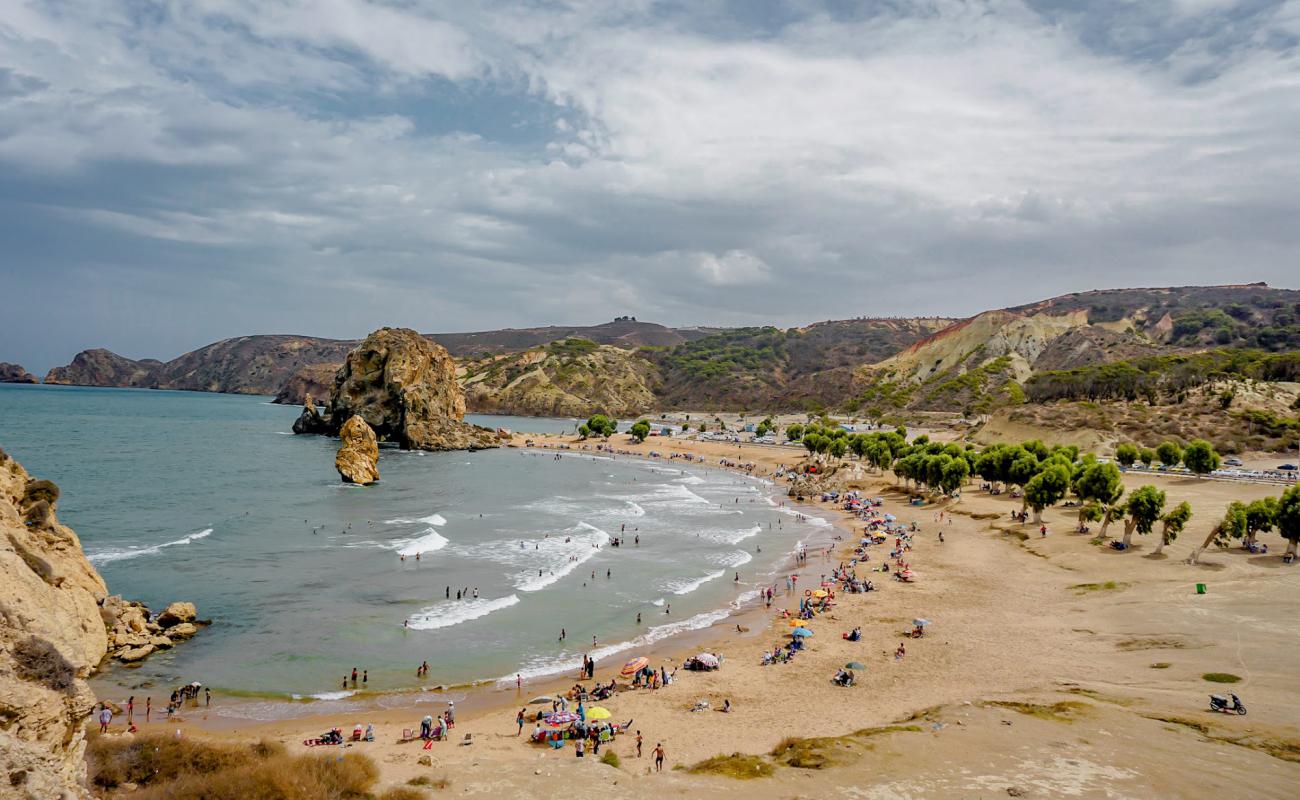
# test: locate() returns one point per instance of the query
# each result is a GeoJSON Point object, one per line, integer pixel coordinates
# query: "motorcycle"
{"type": "Point", "coordinates": [1220, 703]}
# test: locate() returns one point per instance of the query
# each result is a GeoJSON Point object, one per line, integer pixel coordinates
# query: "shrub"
{"type": "Point", "coordinates": [403, 793]}
{"type": "Point", "coordinates": [610, 758]}
{"type": "Point", "coordinates": [38, 661]}
{"type": "Point", "coordinates": [1221, 677]}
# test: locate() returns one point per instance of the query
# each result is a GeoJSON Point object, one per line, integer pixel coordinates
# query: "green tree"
{"type": "Point", "coordinates": [584, 431]}
{"type": "Point", "coordinates": [1232, 526]}
{"type": "Point", "coordinates": [601, 425]}
{"type": "Point", "coordinates": [1261, 516]}
{"type": "Point", "coordinates": [837, 448]}
{"type": "Point", "coordinates": [1169, 453]}
{"type": "Point", "coordinates": [794, 433]}
{"type": "Point", "coordinates": [1046, 489]}
{"type": "Point", "coordinates": [953, 475]}
{"type": "Point", "coordinates": [1100, 484]}
{"type": "Point", "coordinates": [640, 430]}
{"type": "Point", "coordinates": [1288, 518]}
{"type": "Point", "coordinates": [1143, 509]}
{"type": "Point", "coordinates": [1126, 454]}
{"type": "Point", "coordinates": [1147, 456]}
{"type": "Point", "coordinates": [1172, 524]}
{"type": "Point", "coordinates": [1200, 457]}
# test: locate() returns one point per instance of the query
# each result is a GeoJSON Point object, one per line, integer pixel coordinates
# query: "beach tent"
{"type": "Point", "coordinates": [634, 666]}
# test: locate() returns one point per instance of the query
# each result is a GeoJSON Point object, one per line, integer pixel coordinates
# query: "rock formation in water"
{"type": "Point", "coordinates": [404, 387]}
{"type": "Point", "coordinates": [358, 457]}
{"type": "Point", "coordinates": [314, 380]}
{"type": "Point", "coordinates": [14, 373]}
{"type": "Point", "coordinates": [104, 368]}
{"type": "Point", "coordinates": [310, 420]}
{"type": "Point", "coordinates": [57, 623]}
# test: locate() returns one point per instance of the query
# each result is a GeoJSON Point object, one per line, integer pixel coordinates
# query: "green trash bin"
{"type": "Point", "coordinates": [1200, 588]}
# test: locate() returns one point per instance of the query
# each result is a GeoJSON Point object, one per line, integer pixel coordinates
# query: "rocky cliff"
{"type": "Point", "coordinates": [51, 638]}
{"type": "Point", "coordinates": [14, 373]}
{"type": "Point", "coordinates": [102, 367]}
{"type": "Point", "coordinates": [313, 380]}
{"type": "Point", "coordinates": [57, 623]}
{"type": "Point", "coordinates": [404, 387]}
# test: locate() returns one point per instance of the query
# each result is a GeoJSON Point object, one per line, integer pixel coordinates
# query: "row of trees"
{"type": "Point", "coordinates": [1200, 456]}
{"type": "Point", "coordinates": [1047, 475]}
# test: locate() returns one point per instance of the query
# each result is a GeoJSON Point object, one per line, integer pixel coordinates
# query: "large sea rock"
{"type": "Point", "coordinates": [310, 420]}
{"type": "Point", "coordinates": [14, 373]}
{"type": "Point", "coordinates": [404, 387]}
{"type": "Point", "coordinates": [358, 458]}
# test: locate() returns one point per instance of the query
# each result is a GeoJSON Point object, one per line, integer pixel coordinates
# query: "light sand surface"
{"type": "Point", "coordinates": [1014, 620]}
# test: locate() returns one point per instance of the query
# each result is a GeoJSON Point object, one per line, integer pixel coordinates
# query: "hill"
{"type": "Point", "coordinates": [570, 378]}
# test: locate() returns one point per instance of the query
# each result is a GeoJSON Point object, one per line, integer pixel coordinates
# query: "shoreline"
{"type": "Point", "coordinates": [487, 692]}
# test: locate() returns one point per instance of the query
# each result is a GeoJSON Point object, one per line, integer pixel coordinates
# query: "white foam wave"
{"type": "Point", "coordinates": [454, 612]}
{"type": "Point", "coordinates": [109, 556]}
{"type": "Point", "coordinates": [429, 542]}
{"type": "Point", "coordinates": [341, 695]}
{"type": "Point", "coordinates": [737, 558]}
{"type": "Point", "coordinates": [543, 667]}
{"type": "Point", "coordinates": [578, 550]}
{"type": "Point", "coordinates": [659, 602]}
{"type": "Point", "coordinates": [688, 586]}
{"type": "Point", "coordinates": [794, 512]}
{"type": "Point", "coordinates": [432, 519]}
{"type": "Point", "coordinates": [637, 510]}
{"type": "Point", "coordinates": [691, 480]}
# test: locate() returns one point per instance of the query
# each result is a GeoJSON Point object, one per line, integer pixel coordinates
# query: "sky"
{"type": "Point", "coordinates": [174, 172]}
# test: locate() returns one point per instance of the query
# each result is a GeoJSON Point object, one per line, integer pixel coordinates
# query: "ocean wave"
{"type": "Point", "coordinates": [691, 480]}
{"type": "Point", "coordinates": [109, 556]}
{"type": "Point", "coordinates": [736, 558]}
{"type": "Point", "coordinates": [687, 586]}
{"type": "Point", "coordinates": [637, 510]}
{"type": "Point", "coordinates": [794, 512]}
{"type": "Point", "coordinates": [429, 542]}
{"type": "Point", "coordinates": [432, 519]}
{"type": "Point", "coordinates": [577, 551]}
{"type": "Point", "coordinates": [340, 695]}
{"type": "Point", "coordinates": [454, 612]}
{"type": "Point", "coordinates": [733, 536]}
{"type": "Point", "coordinates": [543, 667]}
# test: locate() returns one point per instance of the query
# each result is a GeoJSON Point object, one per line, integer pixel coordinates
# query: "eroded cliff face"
{"type": "Point", "coordinates": [405, 388]}
{"type": "Point", "coordinates": [52, 636]}
{"type": "Point", "coordinates": [313, 380]}
{"type": "Point", "coordinates": [102, 367]}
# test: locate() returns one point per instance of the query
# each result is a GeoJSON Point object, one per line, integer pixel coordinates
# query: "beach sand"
{"type": "Point", "coordinates": [1021, 625]}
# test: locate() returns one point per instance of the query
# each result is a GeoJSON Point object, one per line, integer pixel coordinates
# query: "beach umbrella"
{"type": "Point", "coordinates": [828, 584]}
{"type": "Point", "coordinates": [820, 593]}
{"type": "Point", "coordinates": [707, 659]}
{"type": "Point", "coordinates": [854, 665]}
{"type": "Point", "coordinates": [920, 623]}
{"type": "Point", "coordinates": [561, 718]}
{"type": "Point", "coordinates": [634, 666]}
{"type": "Point", "coordinates": [801, 632]}
{"type": "Point", "coordinates": [794, 623]}
{"type": "Point", "coordinates": [539, 700]}
{"type": "Point", "coordinates": [890, 517]}
{"type": "Point", "coordinates": [598, 712]}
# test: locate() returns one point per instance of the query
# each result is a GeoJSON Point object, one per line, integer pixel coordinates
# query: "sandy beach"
{"type": "Point", "coordinates": [1053, 667]}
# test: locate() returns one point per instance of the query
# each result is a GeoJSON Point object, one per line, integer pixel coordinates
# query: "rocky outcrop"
{"type": "Point", "coordinates": [404, 387]}
{"type": "Point", "coordinates": [51, 639]}
{"type": "Point", "coordinates": [313, 380]}
{"type": "Point", "coordinates": [57, 623]}
{"type": "Point", "coordinates": [310, 420]}
{"type": "Point", "coordinates": [358, 457]}
{"type": "Point", "coordinates": [14, 373]}
{"type": "Point", "coordinates": [101, 367]}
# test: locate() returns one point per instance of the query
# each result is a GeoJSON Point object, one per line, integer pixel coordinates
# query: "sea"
{"type": "Point", "coordinates": [210, 498]}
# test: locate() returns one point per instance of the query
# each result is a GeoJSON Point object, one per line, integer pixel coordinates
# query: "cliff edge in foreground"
{"type": "Point", "coordinates": [51, 638]}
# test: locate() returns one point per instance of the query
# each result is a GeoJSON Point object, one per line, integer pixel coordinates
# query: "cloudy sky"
{"type": "Point", "coordinates": [174, 172]}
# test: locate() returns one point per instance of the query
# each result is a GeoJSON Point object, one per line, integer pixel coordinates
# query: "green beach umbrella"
{"type": "Point", "coordinates": [854, 665]}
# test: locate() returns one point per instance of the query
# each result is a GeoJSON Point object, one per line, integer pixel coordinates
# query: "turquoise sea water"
{"type": "Point", "coordinates": [208, 498]}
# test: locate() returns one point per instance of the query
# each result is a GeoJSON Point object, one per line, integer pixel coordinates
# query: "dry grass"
{"type": "Point", "coordinates": [1107, 586]}
{"type": "Point", "coordinates": [432, 783]}
{"type": "Point", "coordinates": [737, 765]}
{"type": "Point", "coordinates": [1064, 711]}
{"type": "Point", "coordinates": [403, 793]}
{"type": "Point", "coordinates": [1161, 665]}
{"type": "Point", "coordinates": [1151, 644]}
{"type": "Point", "coordinates": [166, 767]}
{"type": "Point", "coordinates": [1096, 695]}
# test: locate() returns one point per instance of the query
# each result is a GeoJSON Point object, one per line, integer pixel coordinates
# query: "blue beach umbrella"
{"type": "Point", "coordinates": [801, 632]}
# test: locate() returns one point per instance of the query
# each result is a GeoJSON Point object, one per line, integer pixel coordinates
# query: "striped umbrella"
{"type": "Point", "coordinates": [634, 666]}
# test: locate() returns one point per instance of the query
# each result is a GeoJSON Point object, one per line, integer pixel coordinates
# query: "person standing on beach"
{"type": "Point", "coordinates": [105, 717]}
{"type": "Point", "coordinates": [130, 709]}
{"type": "Point", "coordinates": [659, 757]}
{"type": "Point", "coordinates": [638, 744]}
{"type": "Point", "coordinates": [207, 697]}
{"type": "Point", "coordinates": [519, 720]}
{"type": "Point", "coordinates": [148, 708]}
